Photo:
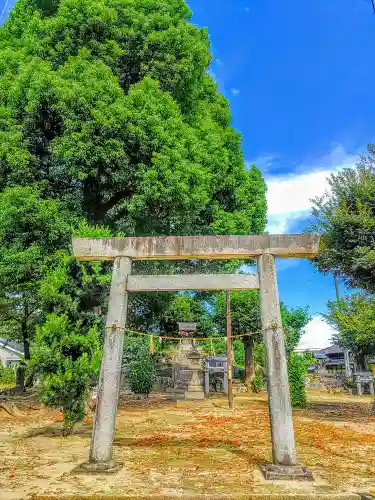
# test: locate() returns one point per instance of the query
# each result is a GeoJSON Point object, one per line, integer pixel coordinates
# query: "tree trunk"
{"type": "Point", "coordinates": [20, 377]}
{"type": "Point", "coordinates": [26, 349]}
{"type": "Point", "coordinates": [362, 362]}
{"type": "Point", "coordinates": [249, 363]}
{"type": "Point", "coordinates": [26, 342]}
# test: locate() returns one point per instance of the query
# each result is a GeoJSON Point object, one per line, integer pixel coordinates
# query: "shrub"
{"type": "Point", "coordinates": [239, 373]}
{"type": "Point", "coordinates": [142, 376]}
{"type": "Point", "coordinates": [67, 359]}
{"type": "Point", "coordinates": [297, 372]}
{"type": "Point", "coordinates": [257, 384]}
{"type": "Point", "coordinates": [7, 375]}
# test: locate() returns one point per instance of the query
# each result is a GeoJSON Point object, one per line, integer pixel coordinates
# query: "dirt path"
{"type": "Point", "coordinates": [189, 448]}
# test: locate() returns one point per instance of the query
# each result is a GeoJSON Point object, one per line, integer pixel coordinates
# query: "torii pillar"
{"type": "Point", "coordinates": [265, 248]}
{"type": "Point", "coordinates": [285, 465]}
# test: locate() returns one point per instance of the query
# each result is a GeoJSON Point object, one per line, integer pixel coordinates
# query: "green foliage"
{"type": "Point", "coordinates": [109, 107]}
{"type": "Point", "coordinates": [239, 374]}
{"type": "Point", "coordinates": [294, 322]}
{"type": "Point", "coordinates": [142, 375]}
{"type": "Point", "coordinates": [188, 307]}
{"type": "Point", "coordinates": [354, 319]}
{"type": "Point", "coordinates": [239, 352]}
{"type": "Point", "coordinates": [345, 218]}
{"type": "Point", "coordinates": [67, 358]}
{"type": "Point", "coordinates": [245, 312]}
{"type": "Point", "coordinates": [256, 384]}
{"type": "Point", "coordinates": [7, 375]}
{"type": "Point", "coordinates": [245, 317]}
{"type": "Point", "coordinates": [67, 345]}
{"type": "Point", "coordinates": [259, 355]}
{"type": "Point", "coordinates": [31, 231]}
{"type": "Point", "coordinates": [135, 348]}
{"type": "Point", "coordinates": [296, 373]}
{"type": "Point", "coordinates": [76, 289]}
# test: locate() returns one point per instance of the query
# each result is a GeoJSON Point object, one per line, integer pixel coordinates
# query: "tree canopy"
{"type": "Point", "coordinates": [32, 230]}
{"type": "Point", "coordinates": [345, 217]}
{"type": "Point", "coordinates": [109, 106]}
{"type": "Point", "coordinates": [354, 318]}
{"type": "Point", "coordinates": [245, 317]}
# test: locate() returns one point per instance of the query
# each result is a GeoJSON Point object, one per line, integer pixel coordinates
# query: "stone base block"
{"type": "Point", "coordinates": [194, 395]}
{"type": "Point", "coordinates": [98, 468]}
{"type": "Point", "coordinates": [272, 472]}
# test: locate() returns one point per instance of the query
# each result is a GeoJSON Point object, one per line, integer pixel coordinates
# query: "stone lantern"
{"type": "Point", "coordinates": [195, 387]}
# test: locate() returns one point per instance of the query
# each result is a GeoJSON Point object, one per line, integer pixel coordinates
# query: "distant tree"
{"type": "Point", "coordinates": [353, 317]}
{"type": "Point", "coordinates": [245, 318]}
{"type": "Point", "coordinates": [31, 232]}
{"type": "Point", "coordinates": [345, 218]}
{"type": "Point", "coordinates": [296, 372]}
{"type": "Point", "coordinates": [294, 321]}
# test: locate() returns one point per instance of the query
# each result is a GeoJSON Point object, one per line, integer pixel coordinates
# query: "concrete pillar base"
{"type": "Point", "coordinates": [98, 468]}
{"type": "Point", "coordinates": [196, 395]}
{"type": "Point", "coordinates": [272, 472]}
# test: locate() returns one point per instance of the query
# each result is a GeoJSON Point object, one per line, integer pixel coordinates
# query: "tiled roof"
{"type": "Point", "coordinates": [12, 344]}
{"type": "Point", "coordinates": [334, 349]}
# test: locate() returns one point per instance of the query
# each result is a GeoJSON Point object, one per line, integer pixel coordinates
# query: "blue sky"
{"type": "Point", "coordinates": [300, 81]}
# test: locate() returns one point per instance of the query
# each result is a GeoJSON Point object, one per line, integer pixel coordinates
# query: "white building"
{"type": "Point", "coordinates": [11, 353]}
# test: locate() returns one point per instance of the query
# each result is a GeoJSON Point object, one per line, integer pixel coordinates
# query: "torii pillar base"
{"type": "Point", "coordinates": [272, 472]}
{"type": "Point", "coordinates": [111, 467]}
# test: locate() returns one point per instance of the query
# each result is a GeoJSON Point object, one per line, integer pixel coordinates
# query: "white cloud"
{"type": "Point", "coordinates": [235, 91]}
{"type": "Point", "coordinates": [317, 335]}
{"type": "Point", "coordinates": [219, 62]}
{"type": "Point", "coordinates": [289, 197]}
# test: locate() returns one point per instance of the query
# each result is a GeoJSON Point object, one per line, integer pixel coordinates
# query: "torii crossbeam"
{"type": "Point", "coordinates": [265, 248]}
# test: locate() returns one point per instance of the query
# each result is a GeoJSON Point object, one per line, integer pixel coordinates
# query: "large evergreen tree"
{"type": "Point", "coordinates": [108, 106]}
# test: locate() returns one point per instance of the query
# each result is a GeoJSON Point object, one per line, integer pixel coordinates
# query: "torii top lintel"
{"type": "Point", "coordinates": [196, 247]}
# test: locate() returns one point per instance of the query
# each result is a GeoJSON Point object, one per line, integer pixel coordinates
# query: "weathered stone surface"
{"type": "Point", "coordinates": [187, 372]}
{"type": "Point", "coordinates": [193, 282]}
{"type": "Point", "coordinates": [110, 374]}
{"type": "Point", "coordinates": [196, 247]}
{"type": "Point", "coordinates": [97, 468]}
{"type": "Point", "coordinates": [282, 432]}
{"type": "Point", "coordinates": [274, 472]}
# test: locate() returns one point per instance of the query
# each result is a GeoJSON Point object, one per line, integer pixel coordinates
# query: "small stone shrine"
{"type": "Point", "coordinates": [187, 372]}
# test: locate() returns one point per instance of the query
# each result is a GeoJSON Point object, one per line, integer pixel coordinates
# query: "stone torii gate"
{"type": "Point", "coordinates": [264, 248]}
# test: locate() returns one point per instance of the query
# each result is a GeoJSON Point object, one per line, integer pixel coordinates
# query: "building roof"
{"type": "Point", "coordinates": [12, 345]}
{"type": "Point", "coordinates": [333, 349]}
